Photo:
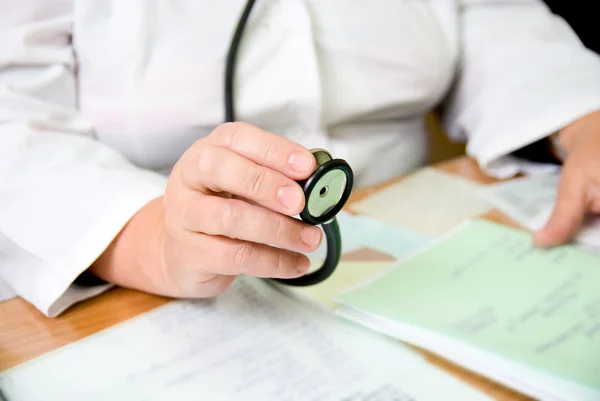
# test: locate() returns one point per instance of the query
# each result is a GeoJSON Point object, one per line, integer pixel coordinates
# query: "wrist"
{"type": "Point", "coordinates": [134, 259]}
{"type": "Point", "coordinates": [563, 141]}
{"type": "Point", "coordinates": [578, 130]}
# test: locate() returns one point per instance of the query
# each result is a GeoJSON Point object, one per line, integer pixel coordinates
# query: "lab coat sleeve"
{"type": "Point", "coordinates": [523, 74]}
{"type": "Point", "coordinates": [64, 196]}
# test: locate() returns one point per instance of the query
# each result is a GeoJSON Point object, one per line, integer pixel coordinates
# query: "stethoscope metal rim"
{"type": "Point", "coordinates": [309, 185]}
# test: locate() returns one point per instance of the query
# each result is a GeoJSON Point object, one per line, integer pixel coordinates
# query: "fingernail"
{"type": "Point", "coordinates": [290, 197]}
{"type": "Point", "coordinates": [302, 264]}
{"type": "Point", "coordinates": [301, 162]}
{"type": "Point", "coordinates": [310, 236]}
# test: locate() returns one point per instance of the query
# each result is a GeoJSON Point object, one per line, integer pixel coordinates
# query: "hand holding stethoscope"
{"type": "Point", "coordinates": [229, 209]}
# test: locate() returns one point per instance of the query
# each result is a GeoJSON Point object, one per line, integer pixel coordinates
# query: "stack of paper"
{"type": "Point", "coordinates": [251, 343]}
{"type": "Point", "coordinates": [530, 201]}
{"type": "Point", "coordinates": [350, 242]}
{"type": "Point", "coordinates": [358, 232]}
{"type": "Point", "coordinates": [485, 298]}
{"type": "Point", "coordinates": [429, 202]}
{"type": "Point", "coordinates": [362, 232]}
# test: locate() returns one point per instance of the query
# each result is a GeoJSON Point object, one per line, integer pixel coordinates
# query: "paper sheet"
{"type": "Point", "coordinates": [429, 202]}
{"type": "Point", "coordinates": [522, 198]}
{"type": "Point", "coordinates": [387, 238]}
{"type": "Point", "coordinates": [359, 232]}
{"type": "Point", "coordinates": [363, 232]}
{"type": "Point", "coordinates": [486, 285]}
{"type": "Point", "coordinates": [532, 382]}
{"type": "Point", "coordinates": [530, 201]}
{"type": "Point", "coordinates": [251, 343]}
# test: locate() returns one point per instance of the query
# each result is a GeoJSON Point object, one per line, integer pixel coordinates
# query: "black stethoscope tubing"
{"type": "Point", "coordinates": [328, 222]}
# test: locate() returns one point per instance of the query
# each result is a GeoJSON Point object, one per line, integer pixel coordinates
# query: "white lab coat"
{"type": "Point", "coordinates": [99, 98]}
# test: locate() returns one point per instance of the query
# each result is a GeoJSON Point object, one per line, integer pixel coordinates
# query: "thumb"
{"type": "Point", "coordinates": [568, 213]}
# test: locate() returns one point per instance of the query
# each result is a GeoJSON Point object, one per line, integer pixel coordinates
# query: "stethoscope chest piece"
{"type": "Point", "coordinates": [326, 192]}
{"type": "Point", "coordinates": [327, 189]}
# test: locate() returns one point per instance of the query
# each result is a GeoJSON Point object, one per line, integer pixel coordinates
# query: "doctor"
{"type": "Point", "coordinates": [115, 164]}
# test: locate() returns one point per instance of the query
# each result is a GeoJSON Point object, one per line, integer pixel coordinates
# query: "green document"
{"type": "Point", "coordinates": [486, 285]}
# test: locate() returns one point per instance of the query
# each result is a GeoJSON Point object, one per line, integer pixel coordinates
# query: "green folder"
{"type": "Point", "coordinates": [486, 285]}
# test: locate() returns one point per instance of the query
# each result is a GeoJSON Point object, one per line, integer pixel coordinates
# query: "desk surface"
{"type": "Point", "coordinates": [25, 333]}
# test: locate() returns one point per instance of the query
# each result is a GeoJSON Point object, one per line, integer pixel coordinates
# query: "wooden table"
{"type": "Point", "coordinates": [25, 333]}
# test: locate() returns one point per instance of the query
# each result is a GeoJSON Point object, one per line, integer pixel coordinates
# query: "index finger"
{"type": "Point", "coordinates": [569, 210]}
{"type": "Point", "coordinates": [265, 148]}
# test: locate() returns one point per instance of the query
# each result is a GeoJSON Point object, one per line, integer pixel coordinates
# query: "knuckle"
{"type": "Point", "coordinates": [245, 253]}
{"type": "Point", "coordinates": [258, 182]}
{"type": "Point", "coordinates": [268, 153]}
{"type": "Point", "coordinates": [190, 155]}
{"type": "Point", "coordinates": [227, 217]}
{"type": "Point", "coordinates": [205, 159]}
{"type": "Point", "coordinates": [280, 227]}
{"type": "Point", "coordinates": [227, 133]}
{"type": "Point", "coordinates": [279, 265]}
{"type": "Point", "coordinates": [198, 143]}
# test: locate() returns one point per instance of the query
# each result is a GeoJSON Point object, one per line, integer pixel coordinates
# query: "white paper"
{"type": "Point", "coordinates": [387, 238]}
{"type": "Point", "coordinates": [429, 202]}
{"type": "Point", "coordinates": [523, 198]}
{"type": "Point", "coordinates": [530, 202]}
{"type": "Point", "coordinates": [528, 381]}
{"type": "Point", "coordinates": [251, 343]}
{"type": "Point", "coordinates": [363, 232]}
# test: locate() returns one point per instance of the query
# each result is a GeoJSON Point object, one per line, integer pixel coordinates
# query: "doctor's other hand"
{"type": "Point", "coordinates": [227, 211]}
{"type": "Point", "coordinates": [579, 186]}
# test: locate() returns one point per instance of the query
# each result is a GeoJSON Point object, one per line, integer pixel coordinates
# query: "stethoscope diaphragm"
{"type": "Point", "coordinates": [327, 189]}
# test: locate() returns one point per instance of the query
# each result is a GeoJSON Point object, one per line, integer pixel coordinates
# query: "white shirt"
{"type": "Point", "coordinates": [99, 98]}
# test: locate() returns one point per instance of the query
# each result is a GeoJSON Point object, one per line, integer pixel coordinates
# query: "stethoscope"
{"type": "Point", "coordinates": [326, 191]}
